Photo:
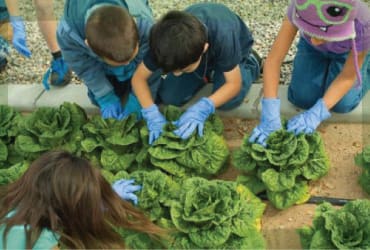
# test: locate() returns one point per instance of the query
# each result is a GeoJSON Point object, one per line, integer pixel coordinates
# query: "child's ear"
{"type": "Point", "coordinates": [206, 45]}
{"type": "Point", "coordinates": [87, 43]}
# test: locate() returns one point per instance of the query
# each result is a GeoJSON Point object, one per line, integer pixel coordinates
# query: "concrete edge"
{"type": "Point", "coordinates": [26, 98]}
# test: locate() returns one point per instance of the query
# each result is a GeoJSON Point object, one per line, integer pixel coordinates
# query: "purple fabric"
{"type": "Point", "coordinates": [362, 29]}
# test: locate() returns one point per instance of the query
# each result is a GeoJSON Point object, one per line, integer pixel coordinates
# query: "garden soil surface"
{"type": "Point", "coordinates": [342, 143]}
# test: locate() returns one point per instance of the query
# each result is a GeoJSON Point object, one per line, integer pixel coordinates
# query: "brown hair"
{"type": "Point", "coordinates": [65, 194]}
{"type": "Point", "coordinates": [112, 33]}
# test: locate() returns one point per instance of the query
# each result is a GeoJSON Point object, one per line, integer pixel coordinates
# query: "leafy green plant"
{"type": "Point", "coordinates": [345, 228]}
{"type": "Point", "coordinates": [363, 160]}
{"type": "Point", "coordinates": [13, 173]}
{"type": "Point", "coordinates": [283, 168]}
{"type": "Point", "coordinates": [8, 131]}
{"type": "Point", "coordinates": [110, 143]}
{"type": "Point", "coordinates": [51, 128]}
{"type": "Point", "coordinates": [157, 192]}
{"type": "Point", "coordinates": [201, 156]}
{"type": "Point", "coordinates": [216, 215]}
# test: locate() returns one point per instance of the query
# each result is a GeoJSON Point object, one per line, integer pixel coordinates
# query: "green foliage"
{"type": "Point", "coordinates": [13, 173]}
{"type": "Point", "coordinates": [51, 128]}
{"type": "Point", "coordinates": [138, 240]}
{"type": "Point", "coordinates": [363, 160]}
{"type": "Point", "coordinates": [283, 167]}
{"type": "Point", "coordinates": [9, 119]}
{"type": "Point", "coordinates": [345, 228]}
{"type": "Point", "coordinates": [202, 156]}
{"type": "Point", "coordinates": [112, 142]}
{"type": "Point", "coordinates": [157, 192]}
{"type": "Point", "coordinates": [210, 214]}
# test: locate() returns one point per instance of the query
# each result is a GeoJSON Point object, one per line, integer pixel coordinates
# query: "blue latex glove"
{"type": "Point", "coordinates": [308, 121]}
{"type": "Point", "coordinates": [19, 36]}
{"type": "Point", "coordinates": [155, 122]}
{"type": "Point", "coordinates": [194, 118]}
{"type": "Point", "coordinates": [125, 189]}
{"type": "Point", "coordinates": [269, 122]}
{"type": "Point", "coordinates": [111, 107]}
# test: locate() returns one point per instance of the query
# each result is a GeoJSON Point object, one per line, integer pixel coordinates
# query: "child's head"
{"type": "Point", "coordinates": [112, 34]}
{"type": "Point", "coordinates": [331, 20]}
{"type": "Point", "coordinates": [65, 194]}
{"type": "Point", "coordinates": [177, 42]}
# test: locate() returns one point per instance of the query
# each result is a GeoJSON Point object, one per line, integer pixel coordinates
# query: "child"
{"type": "Point", "coordinates": [62, 199]}
{"type": "Point", "coordinates": [103, 43]}
{"type": "Point", "coordinates": [331, 69]}
{"type": "Point", "coordinates": [204, 41]}
{"type": "Point", "coordinates": [5, 35]}
{"type": "Point", "coordinates": [59, 73]}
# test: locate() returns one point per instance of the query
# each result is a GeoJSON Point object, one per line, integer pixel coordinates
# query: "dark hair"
{"type": "Point", "coordinates": [177, 40]}
{"type": "Point", "coordinates": [65, 194]}
{"type": "Point", "coordinates": [112, 33]}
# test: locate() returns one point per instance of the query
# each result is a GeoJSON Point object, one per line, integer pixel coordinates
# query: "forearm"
{"type": "Point", "coordinates": [271, 78]}
{"type": "Point", "coordinates": [140, 86]}
{"type": "Point", "coordinates": [338, 89]}
{"type": "Point", "coordinates": [47, 22]}
{"type": "Point", "coordinates": [224, 94]}
{"type": "Point", "coordinates": [13, 7]}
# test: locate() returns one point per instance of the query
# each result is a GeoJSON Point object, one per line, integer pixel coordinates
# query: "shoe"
{"type": "Point", "coordinates": [3, 63]}
{"type": "Point", "coordinates": [259, 60]}
{"type": "Point", "coordinates": [59, 74]}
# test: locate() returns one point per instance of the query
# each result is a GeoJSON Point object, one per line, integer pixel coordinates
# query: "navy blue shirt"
{"type": "Point", "coordinates": [229, 39]}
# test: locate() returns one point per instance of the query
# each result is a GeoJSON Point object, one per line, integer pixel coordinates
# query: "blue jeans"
{"type": "Point", "coordinates": [177, 90]}
{"type": "Point", "coordinates": [313, 73]}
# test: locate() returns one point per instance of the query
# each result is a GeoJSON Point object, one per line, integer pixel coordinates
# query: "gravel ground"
{"type": "Point", "coordinates": [262, 16]}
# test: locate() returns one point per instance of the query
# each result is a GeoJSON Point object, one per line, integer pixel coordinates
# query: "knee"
{"type": "Point", "coordinates": [302, 99]}
{"type": "Point", "coordinates": [345, 106]}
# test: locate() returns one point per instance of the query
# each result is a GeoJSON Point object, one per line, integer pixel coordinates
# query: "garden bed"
{"type": "Point", "coordinates": [342, 143]}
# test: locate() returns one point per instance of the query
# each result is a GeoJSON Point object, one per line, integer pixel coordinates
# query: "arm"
{"type": "Point", "coordinates": [270, 115]}
{"type": "Point", "coordinates": [275, 58]}
{"type": "Point", "coordinates": [13, 7]}
{"type": "Point", "coordinates": [153, 117]}
{"type": "Point", "coordinates": [47, 22]}
{"type": "Point", "coordinates": [232, 86]}
{"type": "Point", "coordinates": [344, 81]}
{"type": "Point", "coordinates": [308, 121]}
{"type": "Point", "coordinates": [140, 85]}
{"type": "Point", "coordinates": [19, 33]}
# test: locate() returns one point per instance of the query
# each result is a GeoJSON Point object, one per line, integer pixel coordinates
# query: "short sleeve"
{"type": "Point", "coordinates": [149, 62]}
{"type": "Point", "coordinates": [228, 52]}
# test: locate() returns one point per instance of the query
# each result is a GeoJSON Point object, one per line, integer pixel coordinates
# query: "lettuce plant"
{"type": "Point", "coordinates": [216, 215]}
{"type": "Point", "coordinates": [283, 168]}
{"type": "Point", "coordinates": [51, 128]}
{"type": "Point", "coordinates": [8, 131]}
{"type": "Point", "coordinates": [157, 193]}
{"type": "Point", "coordinates": [345, 228]}
{"type": "Point", "coordinates": [110, 143]}
{"type": "Point", "coordinates": [363, 160]}
{"type": "Point", "coordinates": [12, 173]}
{"type": "Point", "coordinates": [201, 156]}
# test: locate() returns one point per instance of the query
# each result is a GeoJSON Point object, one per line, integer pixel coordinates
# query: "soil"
{"type": "Point", "coordinates": [342, 142]}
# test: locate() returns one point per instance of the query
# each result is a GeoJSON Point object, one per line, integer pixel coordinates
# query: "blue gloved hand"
{"type": "Point", "coordinates": [19, 36]}
{"type": "Point", "coordinates": [194, 118]}
{"type": "Point", "coordinates": [308, 121]}
{"type": "Point", "coordinates": [125, 189]}
{"type": "Point", "coordinates": [111, 107]}
{"type": "Point", "coordinates": [155, 122]}
{"type": "Point", "coordinates": [269, 122]}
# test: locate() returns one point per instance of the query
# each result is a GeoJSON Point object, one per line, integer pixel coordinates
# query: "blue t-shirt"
{"type": "Point", "coordinates": [4, 14]}
{"type": "Point", "coordinates": [16, 238]}
{"type": "Point", "coordinates": [229, 39]}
